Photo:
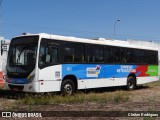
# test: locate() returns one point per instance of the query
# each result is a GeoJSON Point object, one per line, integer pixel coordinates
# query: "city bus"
{"type": "Point", "coordinates": [4, 47]}
{"type": "Point", "coordinates": [42, 63]}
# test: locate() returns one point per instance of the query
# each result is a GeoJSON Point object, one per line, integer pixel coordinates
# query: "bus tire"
{"type": "Point", "coordinates": [131, 83]}
{"type": "Point", "coordinates": [67, 87]}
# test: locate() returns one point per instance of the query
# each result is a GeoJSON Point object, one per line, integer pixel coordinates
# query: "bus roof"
{"type": "Point", "coordinates": [100, 41]}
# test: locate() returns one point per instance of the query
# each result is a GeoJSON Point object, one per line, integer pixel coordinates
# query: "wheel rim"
{"type": "Point", "coordinates": [68, 89]}
{"type": "Point", "coordinates": [131, 84]}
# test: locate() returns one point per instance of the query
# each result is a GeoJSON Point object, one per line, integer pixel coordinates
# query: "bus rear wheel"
{"type": "Point", "coordinates": [131, 83]}
{"type": "Point", "coordinates": [68, 87]}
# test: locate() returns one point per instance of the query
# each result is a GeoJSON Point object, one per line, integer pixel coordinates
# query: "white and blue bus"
{"type": "Point", "coordinates": [50, 63]}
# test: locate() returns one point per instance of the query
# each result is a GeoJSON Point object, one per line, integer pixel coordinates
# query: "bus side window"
{"type": "Point", "coordinates": [123, 55]}
{"type": "Point", "coordinates": [48, 54]}
{"type": "Point", "coordinates": [152, 57]}
{"type": "Point", "coordinates": [74, 52]}
{"type": "Point", "coordinates": [140, 56]}
{"type": "Point", "coordinates": [53, 54]}
{"type": "Point", "coordinates": [48, 58]}
{"type": "Point", "coordinates": [112, 54]}
{"type": "Point", "coordinates": [130, 56]}
{"type": "Point", "coordinates": [95, 54]}
{"type": "Point", "coordinates": [42, 56]}
{"type": "Point", "coordinates": [69, 54]}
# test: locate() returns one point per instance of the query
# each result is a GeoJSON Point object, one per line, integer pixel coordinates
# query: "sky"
{"type": "Point", "coordinates": [139, 19]}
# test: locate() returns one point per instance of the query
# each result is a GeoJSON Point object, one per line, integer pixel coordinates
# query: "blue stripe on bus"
{"type": "Point", "coordinates": [18, 80]}
{"type": "Point", "coordinates": [89, 71]}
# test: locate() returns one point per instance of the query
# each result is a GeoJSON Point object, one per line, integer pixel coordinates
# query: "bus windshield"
{"type": "Point", "coordinates": [22, 56]}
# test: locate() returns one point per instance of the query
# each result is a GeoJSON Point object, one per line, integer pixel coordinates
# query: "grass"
{"type": "Point", "coordinates": [149, 118]}
{"type": "Point", "coordinates": [124, 97]}
{"type": "Point", "coordinates": [153, 84]}
{"type": "Point", "coordinates": [117, 96]}
{"type": "Point", "coordinates": [80, 97]}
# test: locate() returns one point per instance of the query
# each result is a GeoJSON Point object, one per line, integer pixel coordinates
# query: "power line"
{"type": "Point", "coordinates": [110, 35]}
{"type": "Point", "coordinates": [55, 27]}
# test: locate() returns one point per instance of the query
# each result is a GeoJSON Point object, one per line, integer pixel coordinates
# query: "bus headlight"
{"type": "Point", "coordinates": [30, 78]}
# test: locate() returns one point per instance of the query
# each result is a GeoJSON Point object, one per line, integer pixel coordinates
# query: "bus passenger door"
{"type": "Point", "coordinates": [50, 70]}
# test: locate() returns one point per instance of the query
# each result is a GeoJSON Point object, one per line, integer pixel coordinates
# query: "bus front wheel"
{"type": "Point", "coordinates": [68, 87]}
{"type": "Point", "coordinates": [131, 83]}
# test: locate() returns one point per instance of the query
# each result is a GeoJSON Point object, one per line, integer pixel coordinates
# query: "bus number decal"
{"type": "Point", "coordinates": [57, 74]}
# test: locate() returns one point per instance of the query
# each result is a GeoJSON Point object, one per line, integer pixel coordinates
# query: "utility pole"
{"type": "Point", "coordinates": [115, 27]}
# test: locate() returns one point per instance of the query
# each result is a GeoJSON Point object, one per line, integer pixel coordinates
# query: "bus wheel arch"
{"type": "Point", "coordinates": [131, 82]}
{"type": "Point", "coordinates": [69, 85]}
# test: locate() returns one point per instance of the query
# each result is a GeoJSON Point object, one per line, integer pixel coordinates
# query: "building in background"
{"type": "Point", "coordinates": [4, 47]}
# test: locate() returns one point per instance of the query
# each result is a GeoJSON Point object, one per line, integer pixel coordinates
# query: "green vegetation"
{"type": "Point", "coordinates": [116, 96]}
{"type": "Point", "coordinates": [102, 97]}
{"type": "Point", "coordinates": [80, 97]}
{"type": "Point", "coordinates": [149, 118]}
{"type": "Point", "coordinates": [121, 97]}
{"type": "Point", "coordinates": [153, 84]}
